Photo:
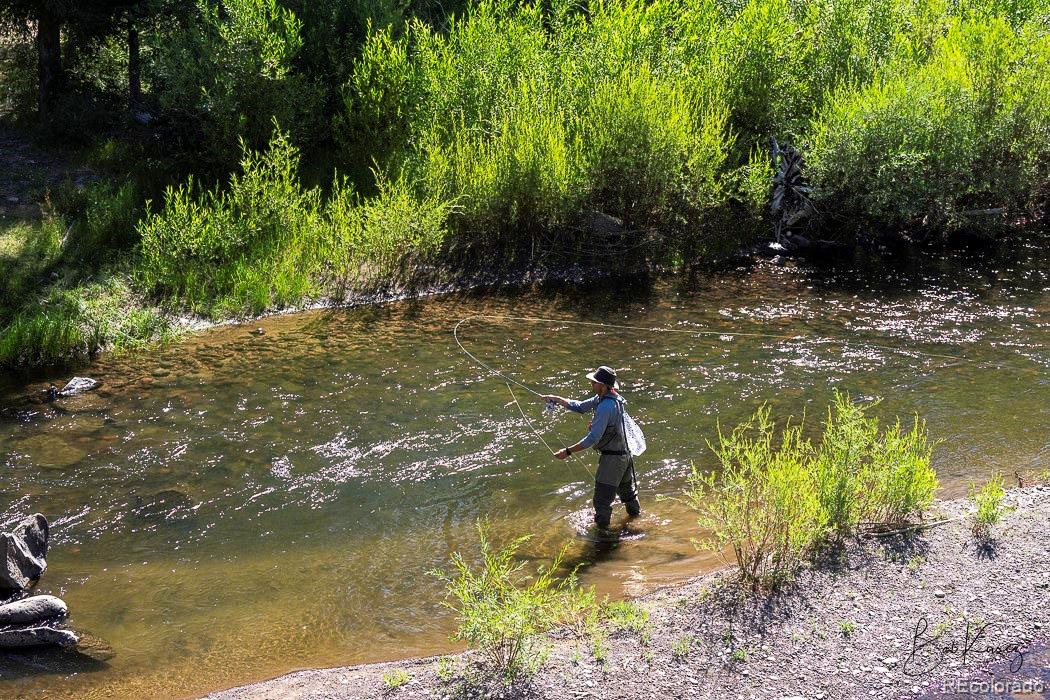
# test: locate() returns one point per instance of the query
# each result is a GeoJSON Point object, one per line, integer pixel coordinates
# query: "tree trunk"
{"type": "Point", "coordinates": [134, 68]}
{"type": "Point", "coordinates": [49, 59]}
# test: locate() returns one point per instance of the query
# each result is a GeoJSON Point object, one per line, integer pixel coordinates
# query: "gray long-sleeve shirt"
{"type": "Point", "coordinates": [606, 413]}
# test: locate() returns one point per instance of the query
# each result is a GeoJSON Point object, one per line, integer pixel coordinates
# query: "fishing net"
{"type": "Point", "coordinates": [635, 438]}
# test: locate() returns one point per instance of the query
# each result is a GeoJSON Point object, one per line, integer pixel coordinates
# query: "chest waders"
{"type": "Point", "coordinates": [615, 476]}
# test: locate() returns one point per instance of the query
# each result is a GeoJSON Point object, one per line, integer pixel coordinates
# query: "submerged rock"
{"type": "Point", "coordinates": [34, 609]}
{"type": "Point", "coordinates": [78, 385]}
{"type": "Point", "coordinates": [24, 552]}
{"type": "Point", "coordinates": [37, 636]}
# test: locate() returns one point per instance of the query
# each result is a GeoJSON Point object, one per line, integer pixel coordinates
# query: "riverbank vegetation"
{"type": "Point", "coordinates": [255, 154]}
{"type": "Point", "coordinates": [778, 499]}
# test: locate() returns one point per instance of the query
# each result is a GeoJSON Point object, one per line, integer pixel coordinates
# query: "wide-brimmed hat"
{"type": "Point", "coordinates": [604, 375]}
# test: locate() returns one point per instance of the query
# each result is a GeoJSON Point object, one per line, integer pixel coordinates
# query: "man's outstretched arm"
{"type": "Point", "coordinates": [572, 405]}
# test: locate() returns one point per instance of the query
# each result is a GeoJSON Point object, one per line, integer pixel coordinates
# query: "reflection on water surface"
{"type": "Point", "coordinates": [238, 505]}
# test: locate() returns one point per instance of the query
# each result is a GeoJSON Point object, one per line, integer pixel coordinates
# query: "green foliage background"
{"type": "Point", "coordinates": [296, 150]}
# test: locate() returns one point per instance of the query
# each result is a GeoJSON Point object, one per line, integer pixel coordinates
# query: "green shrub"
{"type": "Point", "coordinates": [774, 503]}
{"type": "Point", "coordinates": [396, 678]}
{"type": "Point", "coordinates": [527, 118]}
{"type": "Point", "coordinates": [932, 139]}
{"type": "Point", "coordinates": [249, 248]}
{"type": "Point", "coordinates": [682, 646]}
{"type": "Point", "coordinates": [990, 508]}
{"type": "Point", "coordinates": [764, 507]}
{"type": "Point", "coordinates": [849, 436]}
{"type": "Point", "coordinates": [899, 482]}
{"type": "Point", "coordinates": [266, 242]}
{"type": "Point", "coordinates": [501, 610]}
{"type": "Point", "coordinates": [228, 72]}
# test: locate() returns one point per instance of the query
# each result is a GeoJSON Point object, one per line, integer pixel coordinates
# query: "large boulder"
{"type": "Point", "coordinates": [24, 552]}
{"type": "Point", "coordinates": [34, 609]}
{"type": "Point", "coordinates": [37, 636]}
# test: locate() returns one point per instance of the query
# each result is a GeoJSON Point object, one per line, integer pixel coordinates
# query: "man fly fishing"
{"type": "Point", "coordinates": [608, 435]}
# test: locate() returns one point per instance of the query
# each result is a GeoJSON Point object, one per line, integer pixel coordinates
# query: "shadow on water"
{"type": "Point", "coordinates": [48, 661]}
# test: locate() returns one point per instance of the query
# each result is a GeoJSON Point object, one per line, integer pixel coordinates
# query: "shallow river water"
{"type": "Point", "coordinates": [241, 504]}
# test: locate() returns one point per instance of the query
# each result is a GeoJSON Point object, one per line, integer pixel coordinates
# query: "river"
{"type": "Point", "coordinates": [240, 503]}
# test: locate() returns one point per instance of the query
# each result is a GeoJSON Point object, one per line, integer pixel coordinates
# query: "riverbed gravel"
{"type": "Point", "coordinates": [888, 617]}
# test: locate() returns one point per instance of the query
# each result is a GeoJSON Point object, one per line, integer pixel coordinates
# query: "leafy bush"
{"type": "Point", "coordinates": [774, 503]}
{"type": "Point", "coordinates": [528, 118]}
{"type": "Point", "coordinates": [898, 483]}
{"type": "Point", "coordinates": [627, 615]}
{"type": "Point", "coordinates": [266, 242]}
{"type": "Point", "coordinates": [863, 476]}
{"type": "Point", "coordinates": [501, 610]}
{"type": "Point", "coordinates": [249, 248]}
{"type": "Point", "coordinates": [990, 508]}
{"type": "Point", "coordinates": [841, 460]}
{"type": "Point", "coordinates": [932, 139]}
{"type": "Point", "coordinates": [764, 507]}
{"type": "Point", "coordinates": [227, 72]}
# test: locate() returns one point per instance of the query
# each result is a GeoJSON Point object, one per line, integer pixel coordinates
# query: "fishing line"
{"type": "Point", "coordinates": [657, 329]}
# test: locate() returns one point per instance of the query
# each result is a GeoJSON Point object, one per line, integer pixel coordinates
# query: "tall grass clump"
{"type": "Point", "coordinates": [502, 610]}
{"type": "Point", "coordinates": [28, 250]}
{"type": "Point", "coordinates": [942, 133]}
{"type": "Point", "coordinates": [68, 325]}
{"type": "Point", "coordinates": [779, 498]}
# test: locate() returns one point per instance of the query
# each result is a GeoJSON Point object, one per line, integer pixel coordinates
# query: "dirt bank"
{"type": "Point", "coordinates": [890, 617]}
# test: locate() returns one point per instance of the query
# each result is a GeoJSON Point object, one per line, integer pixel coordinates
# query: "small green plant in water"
{"type": "Point", "coordinates": [990, 508]}
{"type": "Point", "coordinates": [396, 678]}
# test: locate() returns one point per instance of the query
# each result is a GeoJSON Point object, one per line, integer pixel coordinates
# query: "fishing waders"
{"type": "Point", "coordinates": [615, 475]}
